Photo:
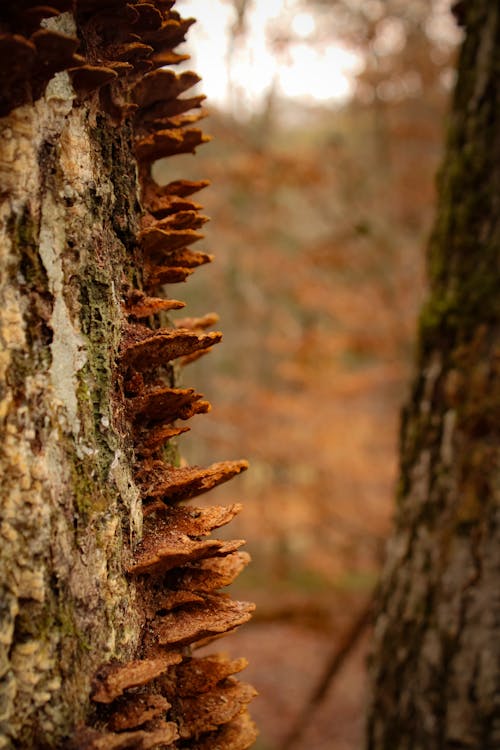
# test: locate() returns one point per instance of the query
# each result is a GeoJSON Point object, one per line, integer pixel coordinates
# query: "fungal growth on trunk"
{"type": "Point", "coordinates": [98, 71]}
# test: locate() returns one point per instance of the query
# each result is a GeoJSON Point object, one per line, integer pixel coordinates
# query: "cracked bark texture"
{"type": "Point", "coordinates": [68, 501]}
{"type": "Point", "coordinates": [65, 475]}
{"type": "Point", "coordinates": [98, 609]}
{"type": "Point", "coordinates": [435, 667]}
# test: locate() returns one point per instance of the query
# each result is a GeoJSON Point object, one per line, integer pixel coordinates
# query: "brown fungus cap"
{"type": "Point", "coordinates": [163, 206]}
{"type": "Point", "coordinates": [170, 543]}
{"type": "Point", "coordinates": [139, 305]}
{"type": "Point", "coordinates": [172, 122]}
{"type": "Point", "coordinates": [170, 34]}
{"type": "Point", "coordinates": [150, 17]}
{"type": "Point", "coordinates": [239, 734]}
{"type": "Point", "coordinates": [169, 267]}
{"type": "Point", "coordinates": [30, 55]}
{"type": "Point", "coordinates": [23, 14]}
{"type": "Point", "coordinates": [156, 240]}
{"type": "Point", "coordinates": [179, 258]}
{"type": "Point", "coordinates": [181, 219]}
{"type": "Point", "coordinates": [88, 78]}
{"type": "Point", "coordinates": [210, 574]}
{"type": "Point", "coordinates": [169, 142]}
{"type": "Point", "coordinates": [198, 324]}
{"type": "Point", "coordinates": [183, 188]}
{"type": "Point", "coordinates": [133, 711]}
{"type": "Point", "coordinates": [170, 554]}
{"type": "Point", "coordinates": [145, 349]}
{"type": "Point", "coordinates": [171, 114]}
{"type": "Point", "coordinates": [130, 51]}
{"type": "Point", "coordinates": [167, 601]}
{"type": "Point", "coordinates": [17, 59]}
{"type": "Point", "coordinates": [162, 85]}
{"type": "Point", "coordinates": [163, 404]}
{"type": "Point", "coordinates": [217, 615]}
{"type": "Point", "coordinates": [56, 51]}
{"type": "Point", "coordinates": [158, 275]}
{"type": "Point", "coordinates": [112, 680]}
{"type": "Point", "coordinates": [148, 441]}
{"type": "Point", "coordinates": [207, 711]}
{"type": "Point", "coordinates": [162, 735]}
{"type": "Point", "coordinates": [159, 480]}
{"type": "Point", "coordinates": [196, 675]}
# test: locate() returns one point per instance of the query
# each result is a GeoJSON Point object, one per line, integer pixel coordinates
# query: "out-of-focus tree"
{"type": "Point", "coordinates": [436, 665]}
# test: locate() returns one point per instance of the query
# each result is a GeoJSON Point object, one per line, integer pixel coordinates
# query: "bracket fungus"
{"type": "Point", "coordinates": [144, 349]}
{"type": "Point", "coordinates": [213, 615]}
{"type": "Point", "coordinates": [211, 573]}
{"type": "Point", "coordinates": [115, 53]}
{"type": "Point", "coordinates": [174, 538]}
{"type": "Point", "coordinates": [160, 734]}
{"type": "Point", "coordinates": [170, 484]}
{"type": "Point", "coordinates": [114, 679]}
{"type": "Point", "coordinates": [136, 710]}
{"type": "Point", "coordinates": [138, 305]}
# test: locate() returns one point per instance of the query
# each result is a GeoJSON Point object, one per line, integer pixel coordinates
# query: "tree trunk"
{"type": "Point", "coordinates": [88, 396]}
{"type": "Point", "coordinates": [436, 658]}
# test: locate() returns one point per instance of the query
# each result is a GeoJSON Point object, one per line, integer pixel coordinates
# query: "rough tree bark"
{"type": "Point", "coordinates": [436, 660]}
{"type": "Point", "coordinates": [99, 565]}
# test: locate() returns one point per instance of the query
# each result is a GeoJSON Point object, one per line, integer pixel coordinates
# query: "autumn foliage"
{"type": "Point", "coordinates": [320, 218]}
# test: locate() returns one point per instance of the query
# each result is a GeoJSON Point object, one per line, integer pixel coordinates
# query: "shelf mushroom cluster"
{"type": "Point", "coordinates": [165, 697]}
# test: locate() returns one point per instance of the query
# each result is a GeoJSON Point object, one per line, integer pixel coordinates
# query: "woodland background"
{"type": "Point", "coordinates": [320, 217]}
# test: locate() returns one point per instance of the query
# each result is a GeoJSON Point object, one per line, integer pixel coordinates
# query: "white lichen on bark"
{"type": "Point", "coordinates": [67, 347]}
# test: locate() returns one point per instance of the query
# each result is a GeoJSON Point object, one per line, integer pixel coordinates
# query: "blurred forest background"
{"type": "Point", "coordinates": [322, 198]}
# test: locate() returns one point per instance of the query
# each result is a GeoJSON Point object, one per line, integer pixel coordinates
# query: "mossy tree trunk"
{"type": "Point", "coordinates": [436, 659]}
{"type": "Point", "coordinates": [105, 582]}
{"type": "Point", "coordinates": [68, 503]}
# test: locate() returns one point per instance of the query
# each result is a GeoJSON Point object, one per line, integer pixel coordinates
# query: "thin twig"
{"type": "Point", "coordinates": [332, 667]}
